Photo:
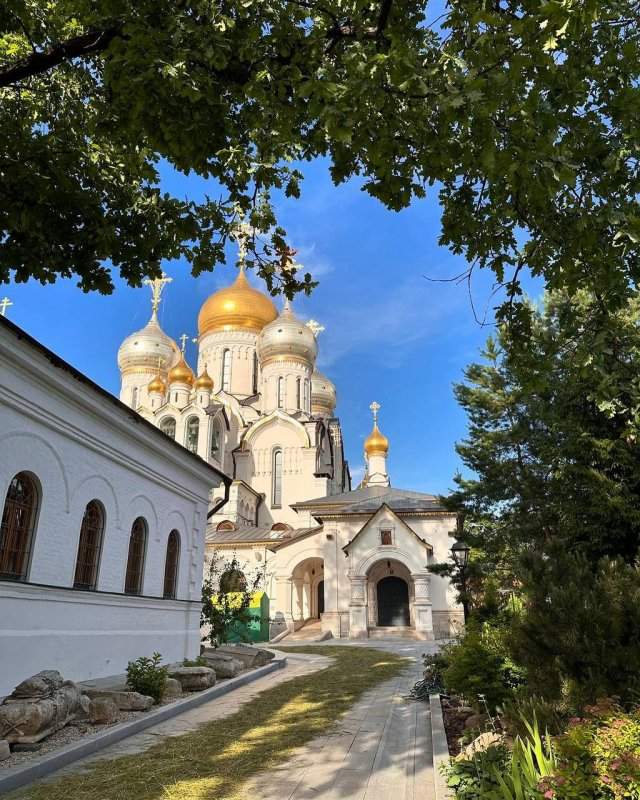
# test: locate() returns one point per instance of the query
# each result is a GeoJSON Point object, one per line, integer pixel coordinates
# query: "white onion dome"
{"type": "Point", "coordinates": [148, 350]}
{"type": "Point", "coordinates": [323, 394]}
{"type": "Point", "coordinates": [287, 337]}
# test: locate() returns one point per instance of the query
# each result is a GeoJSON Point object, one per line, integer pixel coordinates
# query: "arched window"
{"type": "Point", "coordinates": [171, 565]}
{"type": "Point", "coordinates": [18, 525]}
{"type": "Point", "coordinates": [134, 397]}
{"type": "Point", "coordinates": [215, 442]}
{"type": "Point", "coordinates": [168, 427]}
{"type": "Point", "coordinates": [233, 580]}
{"type": "Point", "coordinates": [281, 392]}
{"type": "Point", "coordinates": [254, 382]}
{"type": "Point", "coordinates": [193, 427]}
{"type": "Point", "coordinates": [226, 370]}
{"type": "Point", "coordinates": [298, 397]}
{"type": "Point", "coordinates": [276, 479]}
{"type": "Point", "coordinates": [226, 525]}
{"type": "Point", "coordinates": [281, 526]}
{"type": "Point", "coordinates": [135, 561]}
{"type": "Point", "coordinates": [306, 395]}
{"type": "Point", "coordinates": [89, 546]}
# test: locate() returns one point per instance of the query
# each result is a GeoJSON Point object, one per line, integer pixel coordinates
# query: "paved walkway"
{"type": "Point", "coordinates": [380, 750]}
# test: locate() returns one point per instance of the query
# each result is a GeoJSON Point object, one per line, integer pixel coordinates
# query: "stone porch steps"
{"type": "Point", "coordinates": [393, 632]}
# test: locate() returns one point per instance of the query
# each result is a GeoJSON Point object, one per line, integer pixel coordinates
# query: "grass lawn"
{"type": "Point", "coordinates": [214, 762]}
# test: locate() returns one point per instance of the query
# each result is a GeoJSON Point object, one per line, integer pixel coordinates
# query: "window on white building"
{"type": "Point", "coordinates": [215, 443]}
{"type": "Point", "coordinates": [171, 565]}
{"type": "Point", "coordinates": [254, 382]}
{"type": "Point", "coordinates": [134, 397]}
{"type": "Point", "coordinates": [226, 371]}
{"type": "Point", "coordinates": [298, 395]}
{"type": "Point", "coordinates": [281, 386]}
{"type": "Point", "coordinates": [168, 427]}
{"type": "Point", "coordinates": [193, 429]}
{"type": "Point", "coordinates": [276, 479]}
{"type": "Point", "coordinates": [135, 560]}
{"type": "Point", "coordinates": [17, 530]}
{"type": "Point", "coordinates": [89, 546]}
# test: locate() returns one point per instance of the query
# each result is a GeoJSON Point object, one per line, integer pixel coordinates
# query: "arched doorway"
{"type": "Point", "coordinates": [320, 603]}
{"type": "Point", "coordinates": [393, 601]}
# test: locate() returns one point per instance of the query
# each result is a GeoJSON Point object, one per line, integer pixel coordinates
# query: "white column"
{"type": "Point", "coordinates": [423, 618]}
{"type": "Point", "coordinates": [298, 602]}
{"type": "Point", "coordinates": [284, 592]}
{"type": "Point", "coordinates": [358, 628]}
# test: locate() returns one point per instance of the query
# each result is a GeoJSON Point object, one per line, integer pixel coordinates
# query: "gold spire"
{"type": "Point", "coordinates": [181, 373]}
{"type": "Point", "coordinates": [204, 382]}
{"type": "Point", "coordinates": [376, 443]}
{"type": "Point", "coordinates": [238, 307]}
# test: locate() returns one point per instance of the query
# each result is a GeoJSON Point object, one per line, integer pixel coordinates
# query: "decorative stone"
{"type": "Point", "coordinates": [5, 750]}
{"type": "Point", "coordinates": [251, 657]}
{"type": "Point", "coordinates": [483, 742]}
{"type": "Point", "coordinates": [124, 700]}
{"type": "Point", "coordinates": [103, 711]}
{"type": "Point", "coordinates": [225, 666]}
{"type": "Point", "coordinates": [83, 707]}
{"type": "Point", "coordinates": [194, 679]}
{"type": "Point", "coordinates": [172, 688]}
{"type": "Point", "coordinates": [27, 718]}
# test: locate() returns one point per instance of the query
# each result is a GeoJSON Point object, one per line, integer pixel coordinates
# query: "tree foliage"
{"type": "Point", "coordinates": [524, 114]}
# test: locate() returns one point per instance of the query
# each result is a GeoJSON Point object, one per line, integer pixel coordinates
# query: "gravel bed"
{"type": "Point", "coordinates": [73, 732]}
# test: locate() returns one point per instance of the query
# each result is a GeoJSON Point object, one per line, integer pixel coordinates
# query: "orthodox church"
{"type": "Point", "coordinates": [257, 408]}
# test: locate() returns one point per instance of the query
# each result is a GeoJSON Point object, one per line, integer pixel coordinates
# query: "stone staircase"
{"type": "Point", "coordinates": [393, 632]}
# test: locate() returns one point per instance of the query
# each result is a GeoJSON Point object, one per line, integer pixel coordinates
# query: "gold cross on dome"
{"type": "Point", "coordinates": [375, 407]}
{"type": "Point", "coordinates": [315, 327]}
{"type": "Point", "coordinates": [157, 285]}
{"type": "Point", "coordinates": [4, 304]}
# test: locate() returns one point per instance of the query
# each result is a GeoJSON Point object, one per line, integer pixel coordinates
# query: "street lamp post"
{"type": "Point", "coordinates": [460, 553]}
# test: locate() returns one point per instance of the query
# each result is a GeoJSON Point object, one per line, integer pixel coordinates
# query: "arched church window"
{"type": "Point", "coordinates": [193, 429]}
{"type": "Point", "coordinates": [306, 395]}
{"type": "Point", "coordinates": [281, 392]}
{"type": "Point", "coordinates": [18, 526]}
{"type": "Point", "coordinates": [171, 565]}
{"type": "Point", "coordinates": [135, 560]}
{"type": "Point", "coordinates": [89, 546]}
{"type": "Point", "coordinates": [134, 397]}
{"type": "Point", "coordinates": [215, 442]}
{"type": "Point", "coordinates": [276, 479]}
{"type": "Point", "coordinates": [233, 580]}
{"type": "Point", "coordinates": [254, 382]}
{"type": "Point", "coordinates": [226, 525]}
{"type": "Point", "coordinates": [298, 397]}
{"type": "Point", "coordinates": [168, 427]}
{"type": "Point", "coordinates": [226, 370]}
{"type": "Point", "coordinates": [281, 526]}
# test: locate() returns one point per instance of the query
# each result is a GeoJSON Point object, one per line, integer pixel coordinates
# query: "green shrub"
{"type": "Point", "coordinates": [145, 675]}
{"type": "Point", "coordinates": [476, 672]}
{"type": "Point", "coordinates": [476, 779]}
{"type": "Point", "coordinates": [195, 662]}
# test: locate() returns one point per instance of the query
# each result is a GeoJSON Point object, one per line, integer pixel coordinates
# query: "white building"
{"type": "Point", "coordinates": [258, 409]}
{"type": "Point", "coordinates": [102, 528]}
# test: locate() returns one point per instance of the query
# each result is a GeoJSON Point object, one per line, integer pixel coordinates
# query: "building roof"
{"type": "Point", "coordinates": [368, 499]}
{"type": "Point", "coordinates": [133, 417]}
{"type": "Point", "coordinates": [257, 534]}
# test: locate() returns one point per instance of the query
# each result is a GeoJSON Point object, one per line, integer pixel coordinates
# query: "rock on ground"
{"type": "Point", "coordinates": [103, 711]}
{"type": "Point", "coordinates": [225, 666]}
{"type": "Point", "coordinates": [194, 679]}
{"type": "Point", "coordinates": [38, 707]}
{"type": "Point", "coordinates": [5, 750]}
{"type": "Point", "coordinates": [172, 688]}
{"type": "Point", "coordinates": [126, 701]}
{"type": "Point", "coordinates": [250, 656]}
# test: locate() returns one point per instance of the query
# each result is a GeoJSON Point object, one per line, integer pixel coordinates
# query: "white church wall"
{"type": "Point", "coordinates": [81, 447]}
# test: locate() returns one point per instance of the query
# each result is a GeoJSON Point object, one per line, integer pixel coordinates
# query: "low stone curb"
{"type": "Point", "coordinates": [15, 777]}
{"type": "Point", "coordinates": [440, 748]}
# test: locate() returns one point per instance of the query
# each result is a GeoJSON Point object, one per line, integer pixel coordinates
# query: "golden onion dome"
{"type": "Point", "coordinates": [287, 337]}
{"type": "Point", "coordinates": [148, 350]}
{"type": "Point", "coordinates": [376, 443]}
{"type": "Point", "coordinates": [204, 382]}
{"type": "Point", "coordinates": [157, 385]}
{"type": "Point", "coordinates": [238, 307]}
{"type": "Point", "coordinates": [181, 373]}
{"type": "Point", "coordinates": [323, 394]}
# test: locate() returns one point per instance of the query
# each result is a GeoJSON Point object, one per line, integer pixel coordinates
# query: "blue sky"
{"type": "Point", "coordinates": [391, 334]}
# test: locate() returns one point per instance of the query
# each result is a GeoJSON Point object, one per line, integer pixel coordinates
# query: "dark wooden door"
{"type": "Point", "coordinates": [393, 602]}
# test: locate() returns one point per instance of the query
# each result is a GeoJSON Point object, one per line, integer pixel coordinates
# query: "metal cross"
{"type": "Point", "coordinates": [4, 304]}
{"type": "Point", "coordinates": [375, 407]}
{"type": "Point", "coordinates": [315, 327]}
{"type": "Point", "coordinates": [184, 338]}
{"type": "Point", "coordinates": [157, 285]}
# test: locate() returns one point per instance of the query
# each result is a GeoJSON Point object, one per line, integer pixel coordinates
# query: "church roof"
{"type": "Point", "coordinates": [257, 534]}
{"type": "Point", "coordinates": [368, 499]}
